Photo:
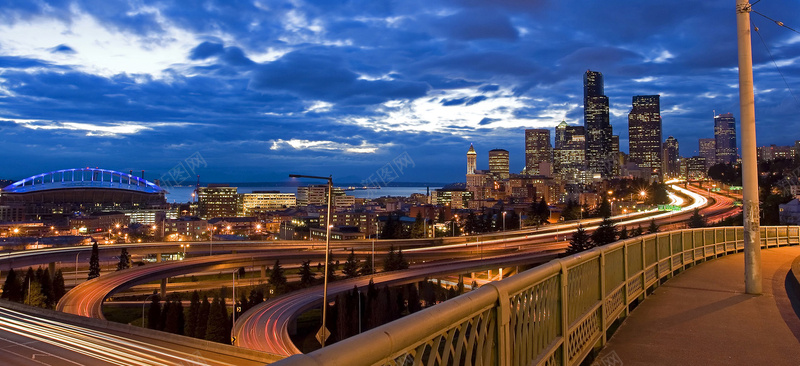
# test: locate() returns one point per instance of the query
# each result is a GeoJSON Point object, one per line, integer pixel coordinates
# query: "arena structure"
{"type": "Point", "coordinates": [84, 190]}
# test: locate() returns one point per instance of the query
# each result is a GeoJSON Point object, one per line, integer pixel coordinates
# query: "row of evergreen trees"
{"type": "Point", "coordinates": [203, 319]}
{"type": "Point", "coordinates": [37, 288]}
{"type": "Point", "coordinates": [379, 306]}
{"type": "Point", "coordinates": [606, 233]}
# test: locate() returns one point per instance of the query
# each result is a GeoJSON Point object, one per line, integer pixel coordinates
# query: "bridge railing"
{"type": "Point", "coordinates": [554, 314]}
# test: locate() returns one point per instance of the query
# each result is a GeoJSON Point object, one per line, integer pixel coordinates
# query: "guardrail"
{"type": "Point", "coordinates": [554, 314]}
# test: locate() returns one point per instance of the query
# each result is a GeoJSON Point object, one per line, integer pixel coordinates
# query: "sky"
{"type": "Point", "coordinates": [248, 91]}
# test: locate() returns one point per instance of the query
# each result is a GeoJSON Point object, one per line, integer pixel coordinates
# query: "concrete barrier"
{"type": "Point", "coordinates": [184, 341]}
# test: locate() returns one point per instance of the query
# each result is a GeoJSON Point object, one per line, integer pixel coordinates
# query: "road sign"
{"type": "Point", "coordinates": [323, 334]}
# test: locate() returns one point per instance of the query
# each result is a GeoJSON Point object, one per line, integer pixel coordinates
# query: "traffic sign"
{"type": "Point", "coordinates": [323, 334]}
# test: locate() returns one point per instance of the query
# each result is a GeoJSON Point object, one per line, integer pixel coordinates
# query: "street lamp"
{"type": "Point", "coordinates": [455, 222]}
{"type": "Point", "coordinates": [324, 330]}
{"type": "Point", "coordinates": [504, 221]}
{"type": "Point", "coordinates": [233, 301]}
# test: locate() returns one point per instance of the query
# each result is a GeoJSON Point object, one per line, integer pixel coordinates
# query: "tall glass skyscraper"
{"type": "Point", "coordinates": [725, 136]}
{"type": "Point", "coordinates": [498, 163]}
{"type": "Point", "coordinates": [597, 124]}
{"type": "Point", "coordinates": [644, 132]}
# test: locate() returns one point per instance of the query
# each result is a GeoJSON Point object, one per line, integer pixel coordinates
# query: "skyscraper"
{"type": "Point", "coordinates": [597, 124]}
{"type": "Point", "coordinates": [564, 133]}
{"type": "Point", "coordinates": [708, 150]}
{"type": "Point", "coordinates": [644, 132]}
{"type": "Point", "coordinates": [671, 159]}
{"type": "Point", "coordinates": [498, 163]}
{"type": "Point", "coordinates": [725, 136]}
{"type": "Point", "coordinates": [537, 150]}
{"type": "Point", "coordinates": [472, 160]}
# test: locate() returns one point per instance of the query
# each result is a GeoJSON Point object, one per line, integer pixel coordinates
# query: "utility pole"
{"type": "Point", "coordinates": [752, 237]}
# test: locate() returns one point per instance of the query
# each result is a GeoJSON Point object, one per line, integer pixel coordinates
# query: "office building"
{"type": "Point", "coordinates": [537, 150]}
{"type": "Point", "coordinates": [218, 200]}
{"type": "Point", "coordinates": [597, 124]}
{"type": "Point", "coordinates": [498, 163]}
{"type": "Point", "coordinates": [644, 133]}
{"type": "Point", "coordinates": [261, 201]}
{"type": "Point", "coordinates": [671, 158]}
{"type": "Point", "coordinates": [725, 136]}
{"type": "Point", "coordinates": [564, 133]}
{"type": "Point", "coordinates": [708, 150]}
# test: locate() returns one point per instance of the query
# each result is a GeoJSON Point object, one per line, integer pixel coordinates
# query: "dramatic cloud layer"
{"type": "Point", "coordinates": [263, 88]}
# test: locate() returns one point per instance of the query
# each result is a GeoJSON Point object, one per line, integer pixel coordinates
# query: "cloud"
{"type": "Point", "coordinates": [328, 146]}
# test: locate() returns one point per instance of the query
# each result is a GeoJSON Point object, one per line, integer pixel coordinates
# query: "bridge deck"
{"type": "Point", "coordinates": [703, 317]}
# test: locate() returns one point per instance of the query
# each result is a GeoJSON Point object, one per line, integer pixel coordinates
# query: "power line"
{"type": "Point", "coordinates": [778, 22]}
{"type": "Point", "coordinates": [776, 64]}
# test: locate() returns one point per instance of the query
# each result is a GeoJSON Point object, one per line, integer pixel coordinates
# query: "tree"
{"type": "Point", "coordinates": [605, 208]}
{"type": "Point", "coordinates": [390, 263]}
{"type": "Point", "coordinates": [653, 228]}
{"type": "Point", "coordinates": [43, 277]}
{"type": "Point", "coordinates": [637, 232]}
{"type": "Point", "coordinates": [418, 229]}
{"type": "Point", "coordinates": [402, 263]}
{"type": "Point", "coordinates": [572, 211]}
{"type": "Point", "coordinates": [306, 275]}
{"type": "Point", "coordinates": [543, 212]}
{"type": "Point", "coordinates": [12, 288]}
{"type": "Point", "coordinates": [657, 194]}
{"type": "Point", "coordinates": [59, 289]}
{"type": "Point", "coordinates": [194, 312]}
{"type": "Point", "coordinates": [623, 234]}
{"type": "Point", "coordinates": [580, 241]}
{"type": "Point", "coordinates": [154, 312]}
{"type": "Point", "coordinates": [276, 277]}
{"type": "Point", "coordinates": [471, 225]}
{"type": "Point", "coordinates": [35, 297]}
{"type": "Point", "coordinates": [175, 321]}
{"type": "Point", "coordinates": [124, 260]}
{"type": "Point", "coordinates": [94, 262]}
{"type": "Point", "coordinates": [366, 267]}
{"type": "Point", "coordinates": [697, 220]}
{"type": "Point", "coordinates": [351, 265]}
{"type": "Point", "coordinates": [217, 319]}
{"type": "Point", "coordinates": [202, 319]}
{"type": "Point", "coordinates": [606, 233]}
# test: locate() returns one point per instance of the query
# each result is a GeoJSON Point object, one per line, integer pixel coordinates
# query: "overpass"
{"type": "Point", "coordinates": [554, 314]}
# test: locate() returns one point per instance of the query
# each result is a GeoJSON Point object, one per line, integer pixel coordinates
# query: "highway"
{"type": "Point", "coordinates": [33, 340]}
{"type": "Point", "coordinates": [265, 327]}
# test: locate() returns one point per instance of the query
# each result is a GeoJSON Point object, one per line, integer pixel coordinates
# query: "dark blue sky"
{"type": "Point", "coordinates": [261, 89]}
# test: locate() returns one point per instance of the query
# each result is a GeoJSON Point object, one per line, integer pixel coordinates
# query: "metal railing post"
{"type": "Point", "coordinates": [564, 315]}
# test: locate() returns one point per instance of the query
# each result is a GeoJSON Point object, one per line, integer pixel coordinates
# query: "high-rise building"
{"type": "Point", "coordinates": [537, 150]}
{"type": "Point", "coordinates": [498, 163]}
{"type": "Point", "coordinates": [614, 161]}
{"type": "Point", "coordinates": [644, 132]}
{"type": "Point", "coordinates": [472, 160]}
{"type": "Point", "coordinates": [564, 133]}
{"type": "Point", "coordinates": [597, 123]}
{"type": "Point", "coordinates": [671, 159]}
{"type": "Point", "coordinates": [570, 161]}
{"type": "Point", "coordinates": [708, 150]}
{"type": "Point", "coordinates": [218, 200]}
{"type": "Point", "coordinates": [725, 136]}
{"type": "Point", "coordinates": [312, 195]}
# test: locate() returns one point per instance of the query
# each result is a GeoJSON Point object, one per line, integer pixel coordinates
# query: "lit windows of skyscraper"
{"type": "Point", "coordinates": [725, 136]}
{"type": "Point", "coordinates": [498, 163]}
{"type": "Point", "coordinates": [644, 132]}
{"type": "Point", "coordinates": [671, 159]}
{"type": "Point", "coordinates": [597, 124]}
{"type": "Point", "coordinates": [564, 133]}
{"type": "Point", "coordinates": [537, 150]}
{"type": "Point", "coordinates": [708, 150]}
{"type": "Point", "coordinates": [218, 200]}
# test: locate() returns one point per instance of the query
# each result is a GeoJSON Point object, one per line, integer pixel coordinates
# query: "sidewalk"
{"type": "Point", "coordinates": [703, 317]}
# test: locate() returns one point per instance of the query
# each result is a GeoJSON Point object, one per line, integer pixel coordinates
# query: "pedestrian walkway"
{"type": "Point", "coordinates": [703, 317]}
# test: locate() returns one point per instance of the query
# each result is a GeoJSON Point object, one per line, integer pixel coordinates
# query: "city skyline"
{"type": "Point", "coordinates": [264, 89]}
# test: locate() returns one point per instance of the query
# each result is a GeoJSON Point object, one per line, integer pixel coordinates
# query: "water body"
{"type": "Point", "coordinates": [184, 194]}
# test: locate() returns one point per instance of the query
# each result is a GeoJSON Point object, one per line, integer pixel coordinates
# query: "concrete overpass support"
{"type": "Point", "coordinates": [164, 288]}
{"type": "Point", "coordinates": [263, 271]}
{"type": "Point", "coordinates": [52, 268]}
